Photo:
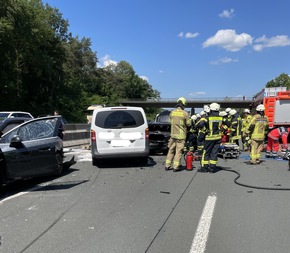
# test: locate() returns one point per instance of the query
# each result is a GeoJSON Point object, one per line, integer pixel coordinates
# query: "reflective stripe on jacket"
{"type": "Point", "coordinates": [258, 127]}
{"type": "Point", "coordinates": [214, 127]}
{"type": "Point", "coordinates": [236, 127]}
{"type": "Point", "coordinates": [280, 132]}
{"type": "Point", "coordinates": [179, 120]}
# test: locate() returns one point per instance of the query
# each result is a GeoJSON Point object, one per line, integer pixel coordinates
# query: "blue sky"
{"type": "Point", "coordinates": [190, 48]}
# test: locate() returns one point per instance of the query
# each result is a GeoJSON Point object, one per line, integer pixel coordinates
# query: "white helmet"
{"type": "Point", "coordinates": [233, 112]}
{"type": "Point", "coordinates": [214, 107]}
{"type": "Point", "coordinates": [223, 113]}
{"type": "Point", "coordinates": [197, 115]}
{"type": "Point", "coordinates": [228, 110]}
{"type": "Point", "coordinates": [202, 113]}
{"type": "Point", "coordinates": [193, 117]}
{"type": "Point", "coordinates": [206, 108]}
{"type": "Point", "coordinates": [247, 111]}
{"type": "Point", "coordinates": [260, 108]}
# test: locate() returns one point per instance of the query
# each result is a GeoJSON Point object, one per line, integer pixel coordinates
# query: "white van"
{"type": "Point", "coordinates": [119, 132]}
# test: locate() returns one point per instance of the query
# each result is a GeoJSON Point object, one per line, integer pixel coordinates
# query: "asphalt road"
{"type": "Point", "coordinates": [126, 208]}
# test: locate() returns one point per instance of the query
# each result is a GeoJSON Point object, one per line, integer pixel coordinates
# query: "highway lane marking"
{"type": "Point", "coordinates": [200, 238]}
{"type": "Point", "coordinates": [25, 192]}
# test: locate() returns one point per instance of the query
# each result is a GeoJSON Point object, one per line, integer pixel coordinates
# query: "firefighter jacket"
{"type": "Point", "coordinates": [213, 126]}
{"type": "Point", "coordinates": [201, 125]}
{"type": "Point", "coordinates": [280, 132]}
{"type": "Point", "coordinates": [236, 127]}
{"type": "Point", "coordinates": [179, 120]}
{"type": "Point", "coordinates": [258, 127]}
{"type": "Point", "coordinates": [245, 124]}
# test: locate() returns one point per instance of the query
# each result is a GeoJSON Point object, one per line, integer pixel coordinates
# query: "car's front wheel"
{"type": "Point", "coordinates": [59, 161]}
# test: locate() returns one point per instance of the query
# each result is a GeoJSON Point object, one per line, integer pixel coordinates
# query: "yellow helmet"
{"type": "Point", "coordinates": [181, 100]}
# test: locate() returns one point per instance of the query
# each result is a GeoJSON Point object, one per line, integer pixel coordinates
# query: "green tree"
{"type": "Point", "coordinates": [282, 80]}
{"type": "Point", "coordinates": [31, 37]}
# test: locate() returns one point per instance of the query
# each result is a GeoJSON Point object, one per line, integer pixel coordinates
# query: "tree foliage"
{"type": "Point", "coordinates": [43, 67]}
{"type": "Point", "coordinates": [283, 80]}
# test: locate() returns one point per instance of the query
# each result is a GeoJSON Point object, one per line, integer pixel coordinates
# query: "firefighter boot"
{"type": "Point", "coordinates": [204, 168]}
{"type": "Point", "coordinates": [212, 168]}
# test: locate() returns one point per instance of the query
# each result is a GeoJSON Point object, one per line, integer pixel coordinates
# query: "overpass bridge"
{"type": "Point", "coordinates": [232, 102]}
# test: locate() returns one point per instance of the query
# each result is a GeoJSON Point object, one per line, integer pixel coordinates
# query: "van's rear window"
{"type": "Point", "coordinates": [119, 119]}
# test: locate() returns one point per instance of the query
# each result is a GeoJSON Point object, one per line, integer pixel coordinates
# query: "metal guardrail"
{"type": "Point", "coordinates": [76, 135]}
{"type": "Point", "coordinates": [217, 99]}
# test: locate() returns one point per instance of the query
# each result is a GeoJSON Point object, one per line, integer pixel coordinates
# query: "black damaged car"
{"type": "Point", "coordinates": [32, 149]}
{"type": "Point", "coordinates": [159, 133]}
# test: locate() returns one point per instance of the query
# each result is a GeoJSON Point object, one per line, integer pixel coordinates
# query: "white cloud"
{"type": "Point", "coordinates": [223, 61]}
{"type": "Point", "coordinates": [277, 41]}
{"type": "Point", "coordinates": [144, 78]}
{"type": "Point", "coordinates": [106, 61]}
{"type": "Point", "coordinates": [188, 35]}
{"type": "Point", "coordinates": [197, 93]}
{"type": "Point", "coordinates": [229, 40]}
{"type": "Point", "coordinates": [180, 34]}
{"type": "Point", "coordinates": [227, 13]}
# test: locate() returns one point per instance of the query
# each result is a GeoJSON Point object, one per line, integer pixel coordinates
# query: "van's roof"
{"type": "Point", "coordinates": [93, 107]}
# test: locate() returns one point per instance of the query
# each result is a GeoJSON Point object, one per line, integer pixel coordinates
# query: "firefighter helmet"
{"type": "Point", "coordinates": [223, 114]}
{"type": "Point", "coordinates": [206, 109]}
{"type": "Point", "coordinates": [214, 107]}
{"type": "Point", "coordinates": [233, 112]}
{"type": "Point", "coordinates": [260, 108]}
{"type": "Point", "coordinates": [247, 111]}
{"type": "Point", "coordinates": [228, 110]}
{"type": "Point", "coordinates": [181, 100]}
{"type": "Point", "coordinates": [202, 113]}
{"type": "Point", "coordinates": [197, 115]}
{"type": "Point", "coordinates": [193, 117]}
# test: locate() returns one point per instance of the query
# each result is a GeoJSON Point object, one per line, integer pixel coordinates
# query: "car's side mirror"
{"type": "Point", "coordinates": [16, 142]}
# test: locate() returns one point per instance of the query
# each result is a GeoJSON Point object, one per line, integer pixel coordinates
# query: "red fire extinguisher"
{"type": "Point", "coordinates": [189, 160]}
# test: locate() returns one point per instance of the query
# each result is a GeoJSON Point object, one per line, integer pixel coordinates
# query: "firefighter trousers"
{"type": "Point", "coordinates": [256, 149]}
{"type": "Point", "coordinates": [210, 154]}
{"type": "Point", "coordinates": [175, 151]}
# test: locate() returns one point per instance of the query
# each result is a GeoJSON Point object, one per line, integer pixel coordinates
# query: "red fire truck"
{"type": "Point", "coordinates": [277, 105]}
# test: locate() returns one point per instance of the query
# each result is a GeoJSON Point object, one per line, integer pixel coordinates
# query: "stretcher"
{"type": "Point", "coordinates": [229, 150]}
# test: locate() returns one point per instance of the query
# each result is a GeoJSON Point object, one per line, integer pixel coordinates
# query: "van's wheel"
{"type": "Point", "coordinates": [144, 160]}
{"type": "Point", "coordinates": [59, 166]}
{"type": "Point", "coordinates": [95, 162]}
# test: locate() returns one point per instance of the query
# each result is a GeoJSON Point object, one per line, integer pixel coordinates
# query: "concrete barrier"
{"type": "Point", "coordinates": [76, 135]}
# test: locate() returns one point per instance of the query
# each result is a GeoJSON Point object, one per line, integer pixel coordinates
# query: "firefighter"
{"type": "Point", "coordinates": [212, 142]}
{"type": "Point", "coordinates": [235, 127]}
{"type": "Point", "coordinates": [245, 124]}
{"type": "Point", "coordinates": [191, 137]}
{"type": "Point", "coordinates": [179, 121]}
{"type": "Point", "coordinates": [273, 141]}
{"type": "Point", "coordinates": [257, 131]}
{"type": "Point", "coordinates": [226, 130]}
{"type": "Point", "coordinates": [201, 132]}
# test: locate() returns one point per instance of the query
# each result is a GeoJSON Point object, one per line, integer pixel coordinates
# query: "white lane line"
{"type": "Point", "coordinates": [25, 192]}
{"type": "Point", "coordinates": [201, 234]}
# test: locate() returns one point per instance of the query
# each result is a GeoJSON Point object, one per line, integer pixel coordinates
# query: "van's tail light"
{"type": "Point", "coordinates": [147, 133]}
{"type": "Point", "coordinates": [93, 136]}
